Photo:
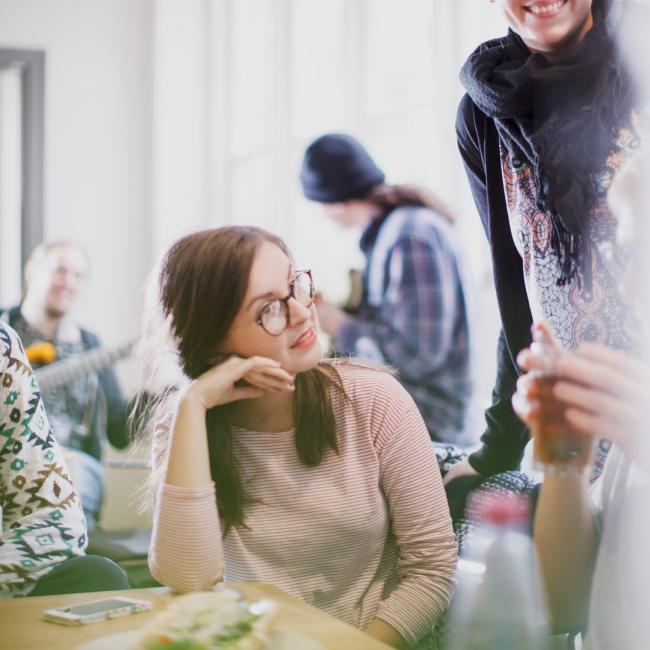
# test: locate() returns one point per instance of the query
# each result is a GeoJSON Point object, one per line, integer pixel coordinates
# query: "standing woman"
{"type": "Point", "coordinates": [413, 312]}
{"type": "Point", "coordinates": [547, 121]}
{"type": "Point", "coordinates": [317, 477]}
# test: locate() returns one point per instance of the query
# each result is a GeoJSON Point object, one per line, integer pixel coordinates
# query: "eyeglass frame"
{"type": "Point", "coordinates": [285, 300]}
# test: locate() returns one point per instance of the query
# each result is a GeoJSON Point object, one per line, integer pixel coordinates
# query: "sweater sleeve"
{"type": "Point", "coordinates": [468, 137]}
{"type": "Point", "coordinates": [414, 326]}
{"type": "Point", "coordinates": [186, 551]}
{"type": "Point", "coordinates": [420, 520]}
{"type": "Point", "coordinates": [42, 523]}
{"type": "Point", "coordinates": [505, 437]}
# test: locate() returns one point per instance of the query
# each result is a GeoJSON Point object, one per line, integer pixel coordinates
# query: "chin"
{"type": "Point", "coordinates": [555, 34]}
{"type": "Point", "coordinates": [57, 311]}
{"type": "Point", "coordinates": [552, 39]}
{"type": "Point", "coordinates": [310, 361]}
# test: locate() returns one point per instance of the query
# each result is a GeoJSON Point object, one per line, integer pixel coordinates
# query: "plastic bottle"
{"type": "Point", "coordinates": [499, 602]}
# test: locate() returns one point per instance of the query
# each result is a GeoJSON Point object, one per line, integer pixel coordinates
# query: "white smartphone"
{"type": "Point", "coordinates": [96, 610]}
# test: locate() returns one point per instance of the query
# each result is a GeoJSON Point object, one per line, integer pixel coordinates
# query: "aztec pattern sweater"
{"type": "Point", "coordinates": [42, 523]}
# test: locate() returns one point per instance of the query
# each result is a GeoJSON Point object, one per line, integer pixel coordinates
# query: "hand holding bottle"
{"type": "Point", "coordinates": [556, 442]}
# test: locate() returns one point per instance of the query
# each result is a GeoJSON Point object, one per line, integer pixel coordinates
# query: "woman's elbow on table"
{"type": "Point", "coordinates": [183, 580]}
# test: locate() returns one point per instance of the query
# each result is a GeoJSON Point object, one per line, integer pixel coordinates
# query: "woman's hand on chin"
{"type": "Point", "coordinates": [236, 379]}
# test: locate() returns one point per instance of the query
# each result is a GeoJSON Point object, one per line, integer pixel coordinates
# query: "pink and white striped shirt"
{"type": "Point", "coordinates": [365, 534]}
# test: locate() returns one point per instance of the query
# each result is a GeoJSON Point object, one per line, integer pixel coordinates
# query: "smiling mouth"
{"type": "Point", "coordinates": [545, 8]}
{"type": "Point", "coordinates": [304, 338]}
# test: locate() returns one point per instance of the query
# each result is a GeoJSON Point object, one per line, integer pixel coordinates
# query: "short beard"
{"type": "Point", "coordinates": [54, 314]}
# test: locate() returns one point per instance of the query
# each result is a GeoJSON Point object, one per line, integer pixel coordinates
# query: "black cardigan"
{"type": "Point", "coordinates": [506, 436]}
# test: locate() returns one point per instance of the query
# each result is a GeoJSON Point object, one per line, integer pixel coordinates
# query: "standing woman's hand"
{"type": "Point", "coordinates": [605, 391]}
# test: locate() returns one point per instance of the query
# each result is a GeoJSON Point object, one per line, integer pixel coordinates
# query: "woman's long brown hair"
{"type": "Point", "coordinates": [203, 282]}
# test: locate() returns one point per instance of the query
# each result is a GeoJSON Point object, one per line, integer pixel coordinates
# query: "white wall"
{"type": "Point", "coordinates": [10, 184]}
{"type": "Point", "coordinates": [132, 128]}
{"type": "Point", "coordinates": [98, 141]}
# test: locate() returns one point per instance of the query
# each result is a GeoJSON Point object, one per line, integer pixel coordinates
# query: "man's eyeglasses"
{"type": "Point", "coordinates": [274, 317]}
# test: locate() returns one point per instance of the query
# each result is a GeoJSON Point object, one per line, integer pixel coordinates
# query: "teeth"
{"type": "Point", "coordinates": [536, 9]}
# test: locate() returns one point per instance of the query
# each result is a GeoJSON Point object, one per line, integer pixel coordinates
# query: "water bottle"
{"type": "Point", "coordinates": [499, 603]}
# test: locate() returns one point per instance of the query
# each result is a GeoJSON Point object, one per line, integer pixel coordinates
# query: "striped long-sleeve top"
{"type": "Point", "coordinates": [365, 534]}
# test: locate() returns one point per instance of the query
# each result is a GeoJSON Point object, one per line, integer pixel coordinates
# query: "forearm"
{"type": "Point", "coordinates": [186, 548]}
{"type": "Point", "coordinates": [383, 631]}
{"type": "Point", "coordinates": [566, 543]}
{"type": "Point", "coordinates": [189, 461]}
{"type": "Point", "coordinates": [186, 552]}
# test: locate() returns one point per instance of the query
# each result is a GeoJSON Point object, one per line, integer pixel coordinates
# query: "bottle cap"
{"type": "Point", "coordinates": [500, 509]}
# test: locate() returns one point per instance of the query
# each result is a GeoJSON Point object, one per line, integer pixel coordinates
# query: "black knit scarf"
{"type": "Point", "coordinates": [562, 118]}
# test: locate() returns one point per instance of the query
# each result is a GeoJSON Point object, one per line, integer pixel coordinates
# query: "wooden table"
{"type": "Point", "coordinates": [21, 627]}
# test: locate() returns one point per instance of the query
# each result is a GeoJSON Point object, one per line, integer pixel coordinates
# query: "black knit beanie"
{"type": "Point", "coordinates": [337, 168]}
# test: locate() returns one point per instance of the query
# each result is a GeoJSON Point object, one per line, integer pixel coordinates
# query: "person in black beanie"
{"type": "Point", "coordinates": [413, 313]}
{"type": "Point", "coordinates": [547, 121]}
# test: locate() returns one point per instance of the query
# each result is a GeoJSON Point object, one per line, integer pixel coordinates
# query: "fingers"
{"type": "Point", "coordinates": [593, 425]}
{"type": "Point", "coordinates": [275, 380]}
{"type": "Point", "coordinates": [525, 401]}
{"type": "Point", "coordinates": [525, 408]}
{"type": "Point", "coordinates": [533, 358]}
{"type": "Point", "coordinates": [238, 378]}
{"type": "Point", "coordinates": [622, 362]}
{"type": "Point", "coordinates": [542, 330]}
{"type": "Point", "coordinates": [528, 386]}
{"type": "Point", "coordinates": [587, 399]}
{"type": "Point", "coordinates": [530, 359]}
{"type": "Point", "coordinates": [601, 369]}
{"type": "Point", "coordinates": [526, 360]}
{"type": "Point", "coordinates": [611, 410]}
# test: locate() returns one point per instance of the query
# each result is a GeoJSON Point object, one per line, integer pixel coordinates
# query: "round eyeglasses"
{"type": "Point", "coordinates": [274, 317]}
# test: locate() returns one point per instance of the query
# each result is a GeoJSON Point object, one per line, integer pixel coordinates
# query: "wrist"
{"type": "Point", "coordinates": [192, 399]}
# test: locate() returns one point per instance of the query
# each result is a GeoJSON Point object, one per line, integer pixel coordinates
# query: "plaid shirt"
{"type": "Point", "coordinates": [420, 325]}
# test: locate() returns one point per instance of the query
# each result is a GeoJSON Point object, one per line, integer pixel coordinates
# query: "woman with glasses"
{"type": "Point", "coordinates": [279, 466]}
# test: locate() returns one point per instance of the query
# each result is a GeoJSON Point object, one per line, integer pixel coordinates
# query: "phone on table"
{"type": "Point", "coordinates": [96, 610]}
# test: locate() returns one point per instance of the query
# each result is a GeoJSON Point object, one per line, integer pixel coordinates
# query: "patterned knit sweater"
{"type": "Point", "coordinates": [365, 534]}
{"type": "Point", "coordinates": [42, 523]}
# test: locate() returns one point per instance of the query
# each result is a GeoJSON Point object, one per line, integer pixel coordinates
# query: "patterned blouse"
{"type": "Point", "coordinates": [574, 313]}
{"type": "Point", "coordinates": [42, 523]}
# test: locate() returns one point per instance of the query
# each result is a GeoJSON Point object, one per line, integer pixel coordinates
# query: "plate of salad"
{"type": "Point", "coordinates": [214, 620]}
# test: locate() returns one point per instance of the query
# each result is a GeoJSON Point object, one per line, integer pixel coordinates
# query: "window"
{"type": "Point", "coordinates": [299, 68]}
{"type": "Point", "coordinates": [21, 164]}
